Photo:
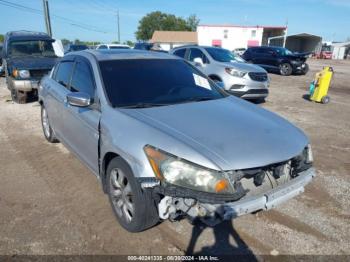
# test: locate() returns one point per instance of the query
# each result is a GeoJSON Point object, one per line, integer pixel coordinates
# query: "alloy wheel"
{"type": "Point", "coordinates": [46, 124]}
{"type": "Point", "coordinates": [121, 195]}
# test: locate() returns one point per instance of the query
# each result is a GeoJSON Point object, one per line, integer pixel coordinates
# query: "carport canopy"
{"type": "Point", "coordinates": [303, 42]}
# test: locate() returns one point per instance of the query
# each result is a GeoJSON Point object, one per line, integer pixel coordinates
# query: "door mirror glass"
{"type": "Point", "coordinates": [79, 99]}
{"type": "Point", "coordinates": [198, 61]}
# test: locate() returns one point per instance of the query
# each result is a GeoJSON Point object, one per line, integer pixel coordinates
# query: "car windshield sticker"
{"type": "Point", "coordinates": [201, 81]}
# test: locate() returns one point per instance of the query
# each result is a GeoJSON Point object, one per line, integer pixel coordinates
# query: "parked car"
{"type": "Point", "coordinates": [74, 48]}
{"type": "Point", "coordinates": [112, 46]}
{"type": "Point", "coordinates": [167, 142]}
{"type": "Point", "coordinates": [27, 57]}
{"type": "Point", "coordinates": [1, 68]}
{"type": "Point", "coordinates": [239, 51]}
{"type": "Point", "coordinates": [277, 59]}
{"type": "Point", "coordinates": [238, 77]}
{"type": "Point", "coordinates": [149, 47]}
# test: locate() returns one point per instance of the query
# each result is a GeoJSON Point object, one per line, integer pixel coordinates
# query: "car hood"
{"type": "Point", "coordinates": [32, 62]}
{"type": "Point", "coordinates": [246, 67]}
{"type": "Point", "coordinates": [230, 132]}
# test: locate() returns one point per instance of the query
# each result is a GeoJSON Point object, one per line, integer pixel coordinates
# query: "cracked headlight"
{"type": "Point", "coordinates": [183, 173]}
{"type": "Point", "coordinates": [235, 72]}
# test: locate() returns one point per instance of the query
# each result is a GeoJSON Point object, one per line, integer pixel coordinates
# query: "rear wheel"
{"type": "Point", "coordinates": [134, 208]}
{"type": "Point", "coordinates": [48, 132]}
{"type": "Point", "coordinates": [286, 69]}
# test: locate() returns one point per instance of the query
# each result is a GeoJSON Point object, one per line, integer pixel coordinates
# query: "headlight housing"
{"type": "Point", "coordinates": [235, 72]}
{"type": "Point", "coordinates": [21, 73]}
{"type": "Point", "coordinates": [180, 172]}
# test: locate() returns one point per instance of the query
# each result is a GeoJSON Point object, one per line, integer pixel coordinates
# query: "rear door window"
{"type": "Point", "coordinates": [82, 79]}
{"type": "Point", "coordinates": [180, 53]}
{"type": "Point", "coordinates": [64, 72]}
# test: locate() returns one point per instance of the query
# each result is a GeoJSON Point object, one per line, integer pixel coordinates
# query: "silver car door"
{"type": "Point", "coordinates": [57, 90]}
{"type": "Point", "coordinates": [81, 124]}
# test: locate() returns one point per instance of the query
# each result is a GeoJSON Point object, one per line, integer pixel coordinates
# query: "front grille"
{"type": "Point", "coordinates": [39, 73]}
{"type": "Point", "coordinates": [261, 77]}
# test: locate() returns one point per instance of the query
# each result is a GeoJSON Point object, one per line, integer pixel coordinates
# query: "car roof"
{"type": "Point", "coordinates": [27, 35]}
{"type": "Point", "coordinates": [119, 54]}
{"type": "Point", "coordinates": [195, 46]}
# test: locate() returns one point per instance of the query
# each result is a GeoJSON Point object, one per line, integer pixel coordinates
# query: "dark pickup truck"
{"type": "Point", "coordinates": [27, 57]}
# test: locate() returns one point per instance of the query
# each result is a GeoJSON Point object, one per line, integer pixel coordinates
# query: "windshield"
{"type": "Point", "coordinates": [155, 82]}
{"type": "Point", "coordinates": [223, 55]}
{"type": "Point", "coordinates": [31, 48]}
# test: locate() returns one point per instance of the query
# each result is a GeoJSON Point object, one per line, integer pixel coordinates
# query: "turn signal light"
{"type": "Point", "coordinates": [221, 185]}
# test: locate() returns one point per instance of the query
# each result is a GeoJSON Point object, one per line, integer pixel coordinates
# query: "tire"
{"type": "Point", "coordinates": [325, 100]}
{"type": "Point", "coordinates": [47, 130]}
{"type": "Point", "coordinates": [286, 69]}
{"type": "Point", "coordinates": [133, 207]}
{"type": "Point", "coordinates": [18, 97]}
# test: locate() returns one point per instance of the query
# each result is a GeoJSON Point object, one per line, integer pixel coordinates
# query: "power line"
{"type": "Point", "coordinates": [39, 12]}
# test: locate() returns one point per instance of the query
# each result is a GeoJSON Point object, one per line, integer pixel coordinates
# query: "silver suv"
{"type": "Point", "coordinates": [238, 77]}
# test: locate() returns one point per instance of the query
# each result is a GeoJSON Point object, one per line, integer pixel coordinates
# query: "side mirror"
{"type": "Point", "coordinates": [198, 61]}
{"type": "Point", "coordinates": [79, 99]}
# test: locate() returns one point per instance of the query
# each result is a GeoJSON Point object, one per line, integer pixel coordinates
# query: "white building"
{"type": "Point", "coordinates": [234, 36]}
{"type": "Point", "coordinates": [340, 50]}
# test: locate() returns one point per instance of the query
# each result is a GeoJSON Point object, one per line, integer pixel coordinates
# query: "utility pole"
{"type": "Point", "coordinates": [47, 17]}
{"type": "Point", "coordinates": [285, 34]}
{"type": "Point", "coordinates": [118, 26]}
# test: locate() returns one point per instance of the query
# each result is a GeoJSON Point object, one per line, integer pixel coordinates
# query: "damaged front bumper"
{"type": "Point", "coordinates": [171, 206]}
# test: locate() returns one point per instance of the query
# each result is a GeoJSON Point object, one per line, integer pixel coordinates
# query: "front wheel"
{"type": "Point", "coordinates": [286, 69]}
{"type": "Point", "coordinates": [134, 208]}
{"type": "Point", "coordinates": [48, 132]}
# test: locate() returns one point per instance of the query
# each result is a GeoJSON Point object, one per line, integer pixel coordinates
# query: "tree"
{"type": "Point", "coordinates": [192, 22]}
{"type": "Point", "coordinates": [78, 42]}
{"type": "Point", "coordinates": [165, 22]}
{"type": "Point", "coordinates": [65, 42]}
{"type": "Point", "coordinates": [129, 43]}
{"type": "Point", "coordinates": [1, 38]}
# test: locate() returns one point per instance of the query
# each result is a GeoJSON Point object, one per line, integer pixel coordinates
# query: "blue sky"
{"type": "Point", "coordinates": [327, 18]}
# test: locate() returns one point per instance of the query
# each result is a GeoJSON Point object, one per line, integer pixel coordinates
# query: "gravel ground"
{"type": "Point", "coordinates": [51, 204]}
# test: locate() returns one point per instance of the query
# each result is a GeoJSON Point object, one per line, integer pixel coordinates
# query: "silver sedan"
{"type": "Point", "coordinates": [166, 142]}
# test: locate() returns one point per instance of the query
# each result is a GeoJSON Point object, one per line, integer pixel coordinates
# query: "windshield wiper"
{"type": "Point", "coordinates": [198, 99]}
{"type": "Point", "coordinates": [143, 105]}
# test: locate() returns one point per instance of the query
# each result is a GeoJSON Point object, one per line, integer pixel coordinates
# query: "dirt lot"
{"type": "Point", "coordinates": [51, 204]}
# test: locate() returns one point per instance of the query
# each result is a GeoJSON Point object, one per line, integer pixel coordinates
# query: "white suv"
{"type": "Point", "coordinates": [238, 77]}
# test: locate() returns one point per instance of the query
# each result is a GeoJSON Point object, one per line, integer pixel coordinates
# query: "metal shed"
{"type": "Point", "coordinates": [299, 42]}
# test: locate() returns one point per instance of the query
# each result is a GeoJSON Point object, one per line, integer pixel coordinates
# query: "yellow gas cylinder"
{"type": "Point", "coordinates": [319, 87]}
